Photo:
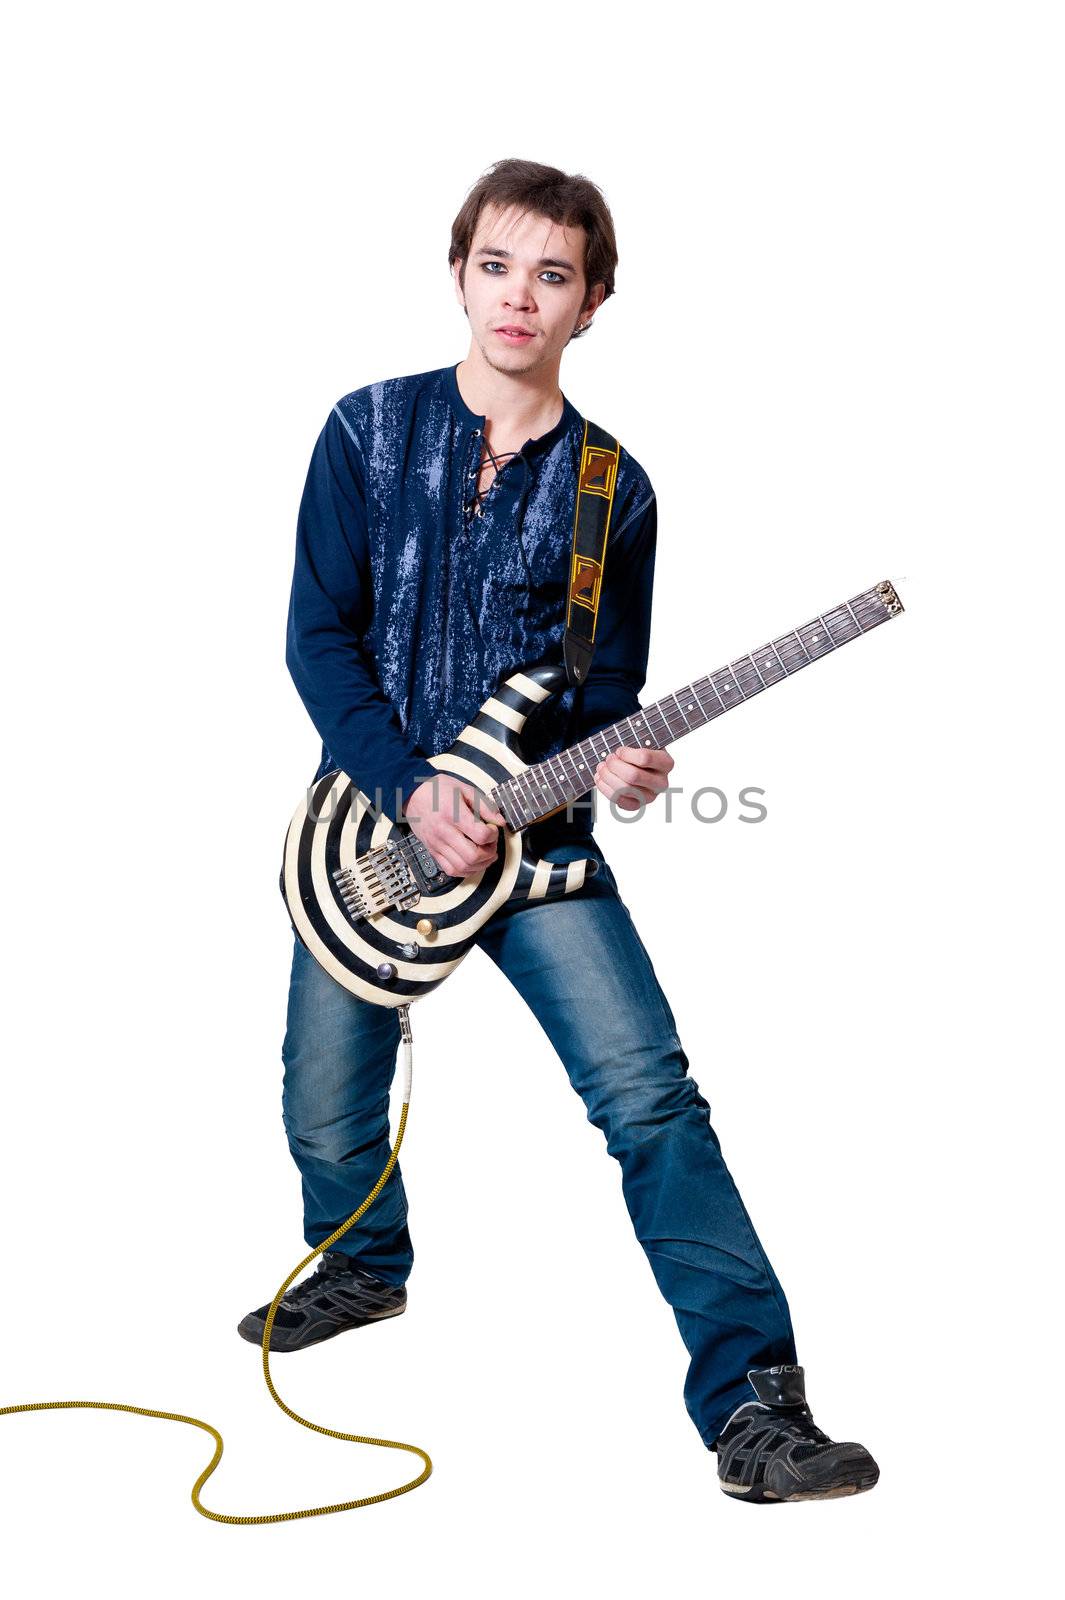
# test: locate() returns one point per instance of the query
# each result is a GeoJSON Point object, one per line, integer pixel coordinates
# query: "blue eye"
{"type": "Point", "coordinates": [550, 273]}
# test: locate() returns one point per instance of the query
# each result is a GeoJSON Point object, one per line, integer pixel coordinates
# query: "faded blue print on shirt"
{"type": "Point", "coordinates": [407, 611]}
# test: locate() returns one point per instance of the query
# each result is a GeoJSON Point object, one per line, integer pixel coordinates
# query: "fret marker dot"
{"type": "Point", "coordinates": [766, 663]}
{"type": "Point", "coordinates": [728, 686]}
{"type": "Point", "coordinates": [814, 638]}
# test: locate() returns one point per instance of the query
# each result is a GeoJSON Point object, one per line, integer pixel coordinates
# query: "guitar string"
{"type": "Point", "coordinates": [868, 598]}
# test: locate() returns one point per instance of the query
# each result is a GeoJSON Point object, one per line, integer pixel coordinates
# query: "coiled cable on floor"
{"type": "Point", "coordinates": [317, 1427]}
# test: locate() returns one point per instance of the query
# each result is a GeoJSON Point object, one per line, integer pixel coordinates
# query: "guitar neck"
{"type": "Point", "coordinates": [544, 788]}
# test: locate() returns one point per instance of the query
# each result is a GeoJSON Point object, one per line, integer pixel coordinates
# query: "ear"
{"type": "Point", "coordinates": [596, 296]}
{"type": "Point", "coordinates": [456, 269]}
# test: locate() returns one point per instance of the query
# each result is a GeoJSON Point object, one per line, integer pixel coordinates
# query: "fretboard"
{"type": "Point", "coordinates": [566, 777]}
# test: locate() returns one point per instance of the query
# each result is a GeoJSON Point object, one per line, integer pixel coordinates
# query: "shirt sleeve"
{"type": "Point", "coordinates": [623, 626]}
{"type": "Point", "coordinates": [329, 611]}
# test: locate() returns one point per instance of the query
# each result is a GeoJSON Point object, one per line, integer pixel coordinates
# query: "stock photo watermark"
{"type": "Point", "coordinates": [523, 803]}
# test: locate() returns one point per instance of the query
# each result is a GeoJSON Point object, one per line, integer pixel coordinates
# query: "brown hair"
{"type": "Point", "coordinates": [567, 200]}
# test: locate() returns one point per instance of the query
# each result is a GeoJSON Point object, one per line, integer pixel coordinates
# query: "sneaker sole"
{"type": "Point", "coordinates": [756, 1495]}
{"type": "Point", "coordinates": [256, 1338]}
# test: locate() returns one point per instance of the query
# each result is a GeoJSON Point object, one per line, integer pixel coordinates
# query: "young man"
{"type": "Point", "coordinates": [432, 558]}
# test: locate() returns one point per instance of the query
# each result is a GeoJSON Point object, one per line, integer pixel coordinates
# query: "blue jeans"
{"type": "Point", "coordinates": [582, 969]}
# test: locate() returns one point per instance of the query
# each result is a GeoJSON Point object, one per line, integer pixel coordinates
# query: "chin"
{"type": "Point", "coordinates": [514, 362]}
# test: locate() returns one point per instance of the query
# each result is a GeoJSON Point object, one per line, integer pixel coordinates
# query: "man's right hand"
{"type": "Point", "coordinates": [440, 811]}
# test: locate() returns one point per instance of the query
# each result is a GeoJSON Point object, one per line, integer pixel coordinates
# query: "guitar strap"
{"type": "Point", "coordinates": [591, 528]}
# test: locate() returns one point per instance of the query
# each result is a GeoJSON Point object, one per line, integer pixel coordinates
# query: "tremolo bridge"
{"type": "Point", "coordinates": [392, 877]}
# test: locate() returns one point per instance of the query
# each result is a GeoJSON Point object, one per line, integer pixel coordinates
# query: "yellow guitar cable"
{"type": "Point", "coordinates": [333, 1433]}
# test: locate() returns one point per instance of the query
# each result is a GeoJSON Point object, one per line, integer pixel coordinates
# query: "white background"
{"type": "Point", "coordinates": [836, 347]}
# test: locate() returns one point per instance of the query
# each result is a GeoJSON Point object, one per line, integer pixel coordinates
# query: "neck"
{"type": "Point", "coordinates": [539, 790]}
{"type": "Point", "coordinates": [523, 405]}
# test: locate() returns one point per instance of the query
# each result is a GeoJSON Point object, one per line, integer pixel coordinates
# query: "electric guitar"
{"type": "Point", "coordinates": [381, 916]}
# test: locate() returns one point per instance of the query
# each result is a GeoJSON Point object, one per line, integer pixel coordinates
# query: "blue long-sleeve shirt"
{"type": "Point", "coordinates": [407, 609]}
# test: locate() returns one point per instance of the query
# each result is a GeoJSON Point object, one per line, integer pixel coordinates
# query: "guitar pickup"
{"type": "Point", "coordinates": [423, 867]}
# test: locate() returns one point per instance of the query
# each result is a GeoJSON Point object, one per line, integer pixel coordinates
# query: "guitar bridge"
{"type": "Point", "coordinates": [381, 880]}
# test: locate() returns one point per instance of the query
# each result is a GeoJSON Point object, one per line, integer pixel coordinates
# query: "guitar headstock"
{"type": "Point", "coordinates": [886, 594]}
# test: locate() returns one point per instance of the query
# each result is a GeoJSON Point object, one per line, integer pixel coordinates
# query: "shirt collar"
{"type": "Point", "coordinates": [473, 423]}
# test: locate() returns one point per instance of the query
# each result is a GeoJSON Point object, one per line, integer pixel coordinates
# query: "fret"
{"type": "Point", "coordinates": [561, 779]}
{"type": "Point", "coordinates": [783, 663]}
{"type": "Point", "coordinates": [867, 602]}
{"type": "Point", "coordinates": [584, 756]}
{"type": "Point", "coordinates": [829, 635]}
{"type": "Point", "coordinates": [539, 780]}
{"type": "Point", "coordinates": [558, 778]}
{"type": "Point", "coordinates": [674, 733]}
{"type": "Point", "coordinates": [769, 666]}
{"type": "Point", "coordinates": [581, 785]}
{"type": "Point", "coordinates": [638, 723]}
{"type": "Point", "coordinates": [635, 739]}
{"type": "Point", "coordinates": [707, 715]}
{"type": "Point", "coordinates": [691, 703]}
{"type": "Point", "coordinates": [842, 624]}
{"type": "Point", "coordinates": [746, 676]}
{"type": "Point", "coordinates": [716, 707]}
{"type": "Point", "coordinates": [802, 647]}
{"type": "Point", "coordinates": [704, 715]}
{"type": "Point", "coordinates": [587, 772]}
{"type": "Point", "coordinates": [498, 798]}
{"type": "Point", "coordinates": [851, 609]}
{"type": "Point", "coordinates": [786, 650]}
{"type": "Point", "coordinates": [579, 756]}
{"type": "Point", "coordinates": [647, 732]}
{"type": "Point", "coordinates": [717, 701]}
{"type": "Point", "coordinates": [532, 799]}
{"type": "Point", "coordinates": [525, 798]}
{"type": "Point", "coordinates": [680, 708]}
{"type": "Point", "coordinates": [725, 688]}
{"type": "Point", "coordinates": [661, 734]}
{"type": "Point", "coordinates": [514, 810]}
{"type": "Point", "coordinates": [815, 639]}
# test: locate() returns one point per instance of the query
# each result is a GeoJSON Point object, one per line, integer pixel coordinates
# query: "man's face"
{"type": "Point", "coordinates": [524, 272]}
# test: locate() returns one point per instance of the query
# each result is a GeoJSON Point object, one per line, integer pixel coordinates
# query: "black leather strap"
{"type": "Point", "coordinates": [591, 529]}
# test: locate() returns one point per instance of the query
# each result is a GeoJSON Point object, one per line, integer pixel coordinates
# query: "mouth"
{"type": "Point", "coordinates": [514, 334]}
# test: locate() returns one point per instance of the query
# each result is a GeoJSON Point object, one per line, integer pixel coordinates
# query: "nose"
{"type": "Point", "coordinates": [519, 293]}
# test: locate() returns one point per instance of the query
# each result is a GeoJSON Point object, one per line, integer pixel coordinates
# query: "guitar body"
{"type": "Point", "coordinates": [346, 866]}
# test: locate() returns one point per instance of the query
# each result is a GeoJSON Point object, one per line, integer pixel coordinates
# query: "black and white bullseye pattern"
{"type": "Point", "coordinates": [336, 824]}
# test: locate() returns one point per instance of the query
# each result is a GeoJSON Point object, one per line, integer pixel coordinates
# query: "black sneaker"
{"type": "Point", "coordinates": [771, 1449]}
{"type": "Point", "coordinates": [339, 1294]}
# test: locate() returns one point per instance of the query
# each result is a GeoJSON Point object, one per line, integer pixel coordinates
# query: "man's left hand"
{"type": "Point", "coordinates": [633, 776]}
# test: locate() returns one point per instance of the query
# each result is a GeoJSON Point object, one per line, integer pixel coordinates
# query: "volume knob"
{"type": "Point", "coordinates": [425, 927]}
{"type": "Point", "coordinates": [386, 972]}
